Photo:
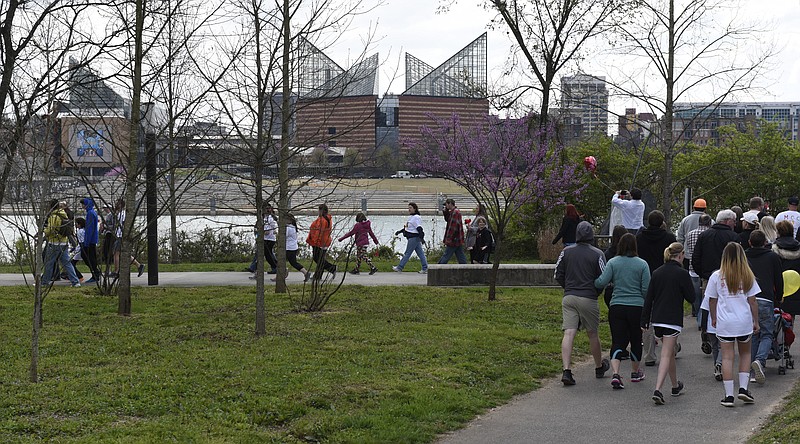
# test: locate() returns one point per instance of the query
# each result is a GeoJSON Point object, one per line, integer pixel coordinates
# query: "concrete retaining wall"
{"type": "Point", "coordinates": [509, 275]}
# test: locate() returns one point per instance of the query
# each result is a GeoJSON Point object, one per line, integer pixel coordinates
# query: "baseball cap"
{"type": "Point", "coordinates": [699, 203]}
{"type": "Point", "coordinates": [750, 218]}
{"type": "Point", "coordinates": [794, 200]}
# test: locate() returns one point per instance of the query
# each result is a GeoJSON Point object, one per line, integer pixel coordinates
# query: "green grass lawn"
{"type": "Point", "coordinates": [784, 425]}
{"type": "Point", "coordinates": [379, 365]}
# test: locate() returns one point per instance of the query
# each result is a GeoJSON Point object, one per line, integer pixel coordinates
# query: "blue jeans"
{"type": "Point", "coordinates": [766, 323]}
{"type": "Point", "coordinates": [55, 252]}
{"type": "Point", "coordinates": [448, 253]}
{"type": "Point", "coordinates": [414, 245]}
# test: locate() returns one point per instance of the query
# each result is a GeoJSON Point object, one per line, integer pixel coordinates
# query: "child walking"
{"type": "Point", "coordinates": [76, 254]}
{"type": "Point", "coordinates": [670, 285]}
{"type": "Point", "coordinates": [362, 231]}
{"type": "Point", "coordinates": [731, 292]}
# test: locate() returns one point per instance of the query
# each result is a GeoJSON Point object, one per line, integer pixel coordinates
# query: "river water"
{"type": "Point", "coordinates": [383, 226]}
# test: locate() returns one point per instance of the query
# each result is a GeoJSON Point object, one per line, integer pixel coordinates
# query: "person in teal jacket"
{"type": "Point", "coordinates": [631, 277]}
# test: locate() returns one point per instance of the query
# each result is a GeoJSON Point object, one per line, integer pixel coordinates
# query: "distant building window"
{"type": "Point", "coordinates": [331, 130]}
{"type": "Point", "coordinates": [332, 143]}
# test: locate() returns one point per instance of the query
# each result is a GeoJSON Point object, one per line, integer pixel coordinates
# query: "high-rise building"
{"type": "Point", "coordinates": [634, 128]}
{"type": "Point", "coordinates": [700, 122]}
{"type": "Point", "coordinates": [584, 106]}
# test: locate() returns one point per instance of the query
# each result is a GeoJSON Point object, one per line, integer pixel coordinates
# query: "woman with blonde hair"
{"type": "Point", "coordinates": [670, 285]}
{"type": "Point", "coordinates": [769, 229]}
{"type": "Point", "coordinates": [731, 292]}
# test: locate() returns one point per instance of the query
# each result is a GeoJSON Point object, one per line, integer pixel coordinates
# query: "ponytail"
{"type": "Point", "coordinates": [672, 251]}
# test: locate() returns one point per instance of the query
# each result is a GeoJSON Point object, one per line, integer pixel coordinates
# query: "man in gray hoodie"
{"type": "Point", "coordinates": [576, 269]}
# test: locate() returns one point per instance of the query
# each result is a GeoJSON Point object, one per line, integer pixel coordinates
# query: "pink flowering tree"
{"type": "Point", "coordinates": [503, 163]}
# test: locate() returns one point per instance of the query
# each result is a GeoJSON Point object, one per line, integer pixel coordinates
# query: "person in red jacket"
{"type": "Point", "coordinates": [362, 231]}
{"type": "Point", "coordinates": [319, 238]}
{"type": "Point", "coordinates": [453, 234]}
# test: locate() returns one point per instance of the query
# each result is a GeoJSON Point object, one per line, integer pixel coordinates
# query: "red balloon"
{"type": "Point", "coordinates": [590, 163]}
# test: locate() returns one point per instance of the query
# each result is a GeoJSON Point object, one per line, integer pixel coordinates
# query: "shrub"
{"type": "Point", "coordinates": [210, 246]}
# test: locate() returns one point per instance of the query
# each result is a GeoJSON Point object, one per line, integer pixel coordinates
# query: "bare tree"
{"type": "Point", "coordinates": [693, 47]}
{"type": "Point", "coordinates": [550, 35]}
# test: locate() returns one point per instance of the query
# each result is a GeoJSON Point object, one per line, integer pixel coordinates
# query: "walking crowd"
{"type": "Point", "coordinates": [735, 273]}
{"type": "Point", "coordinates": [70, 238]}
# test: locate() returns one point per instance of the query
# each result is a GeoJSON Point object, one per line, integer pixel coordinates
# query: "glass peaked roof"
{"type": "Point", "coordinates": [321, 77]}
{"type": "Point", "coordinates": [462, 75]}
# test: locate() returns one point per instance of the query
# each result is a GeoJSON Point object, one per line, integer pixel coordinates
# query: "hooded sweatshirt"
{"type": "Point", "coordinates": [766, 265]}
{"type": "Point", "coordinates": [651, 243]}
{"type": "Point", "coordinates": [362, 231]}
{"type": "Point", "coordinates": [788, 249]}
{"type": "Point", "coordinates": [56, 218]}
{"type": "Point", "coordinates": [91, 235]}
{"type": "Point", "coordinates": [580, 264]}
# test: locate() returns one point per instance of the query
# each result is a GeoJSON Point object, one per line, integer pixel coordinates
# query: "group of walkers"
{"type": "Point", "coordinates": [70, 238]}
{"type": "Point", "coordinates": [470, 235]}
{"type": "Point", "coordinates": [731, 271]}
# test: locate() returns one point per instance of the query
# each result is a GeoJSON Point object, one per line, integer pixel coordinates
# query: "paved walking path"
{"type": "Point", "coordinates": [201, 279]}
{"type": "Point", "coordinates": [591, 412]}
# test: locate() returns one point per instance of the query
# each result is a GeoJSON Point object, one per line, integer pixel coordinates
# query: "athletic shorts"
{"type": "Point", "coordinates": [661, 332]}
{"type": "Point", "coordinates": [578, 312]}
{"type": "Point", "coordinates": [745, 338]}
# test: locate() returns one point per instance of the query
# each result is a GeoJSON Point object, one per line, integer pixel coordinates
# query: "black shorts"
{"type": "Point", "coordinates": [745, 338]}
{"type": "Point", "coordinates": [661, 332]}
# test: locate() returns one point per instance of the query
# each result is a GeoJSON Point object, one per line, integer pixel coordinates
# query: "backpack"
{"type": "Point", "coordinates": [67, 227]}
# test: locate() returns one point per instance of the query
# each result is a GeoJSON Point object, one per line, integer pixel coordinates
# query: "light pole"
{"type": "Point", "coordinates": [150, 130]}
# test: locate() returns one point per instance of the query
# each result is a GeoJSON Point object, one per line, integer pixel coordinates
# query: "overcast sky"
{"type": "Point", "coordinates": [414, 26]}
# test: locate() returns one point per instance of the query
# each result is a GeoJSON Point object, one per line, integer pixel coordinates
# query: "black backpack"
{"type": "Point", "coordinates": [67, 227]}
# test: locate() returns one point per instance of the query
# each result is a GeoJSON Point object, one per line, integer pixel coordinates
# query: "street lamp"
{"type": "Point", "coordinates": [151, 123]}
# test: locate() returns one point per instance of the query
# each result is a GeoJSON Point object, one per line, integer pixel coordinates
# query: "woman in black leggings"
{"type": "Point", "coordinates": [631, 276]}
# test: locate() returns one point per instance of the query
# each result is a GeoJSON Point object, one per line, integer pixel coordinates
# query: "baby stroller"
{"type": "Point", "coordinates": [783, 337]}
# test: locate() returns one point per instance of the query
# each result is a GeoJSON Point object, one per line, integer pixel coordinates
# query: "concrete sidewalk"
{"type": "Point", "coordinates": [203, 279]}
{"type": "Point", "coordinates": [592, 412]}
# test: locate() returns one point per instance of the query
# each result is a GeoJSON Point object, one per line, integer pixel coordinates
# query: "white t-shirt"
{"type": "Point", "coordinates": [791, 216]}
{"type": "Point", "coordinates": [632, 212]}
{"type": "Point", "coordinates": [291, 238]}
{"type": "Point", "coordinates": [704, 305]}
{"type": "Point", "coordinates": [270, 228]}
{"type": "Point", "coordinates": [414, 221]}
{"type": "Point", "coordinates": [734, 317]}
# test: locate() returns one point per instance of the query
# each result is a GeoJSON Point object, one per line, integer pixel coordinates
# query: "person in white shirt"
{"type": "Point", "coordinates": [632, 210]}
{"type": "Point", "coordinates": [792, 215]}
{"type": "Point", "coordinates": [731, 292]}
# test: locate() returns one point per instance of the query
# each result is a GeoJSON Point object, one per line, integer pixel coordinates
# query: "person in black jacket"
{"type": "Point", "coordinates": [669, 286]}
{"type": "Point", "coordinates": [788, 249]}
{"type": "Point", "coordinates": [652, 241]}
{"type": "Point", "coordinates": [568, 226]}
{"type": "Point", "coordinates": [707, 253]}
{"type": "Point", "coordinates": [766, 266]}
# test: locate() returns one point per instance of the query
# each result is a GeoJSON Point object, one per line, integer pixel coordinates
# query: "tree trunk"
{"type": "Point", "coordinates": [669, 149]}
{"type": "Point", "coordinates": [37, 317]}
{"type": "Point", "coordinates": [283, 157]}
{"type": "Point", "coordinates": [495, 269]}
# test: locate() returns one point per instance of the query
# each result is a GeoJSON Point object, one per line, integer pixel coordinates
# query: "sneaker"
{"type": "Point", "coordinates": [354, 272]}
{"type": "Point", "coordinates": [746, 396]}
{"type": "Point", "coordinates": [423, 272]}
{"type": "Point", "coordinates": [397, 269]}
{"type": "Point", "coordinates": [272, 271]}
{"type": "Point", "coordinates": [307, 276]}
{"type": "Point", "coordinates": [273, 279]}
{"type": "Point", "coordinates": [141, 270]}
{"type": "Point", "coordinates": [91, 281]}
{"type": "Point", "coordinates": [705, 346]}
{"type": "Point", "coordinates": [80, 279]}
{"type": "Point", "coordinates": [372, 271]}
{"type": "Point", "coordinates": [637, 376]}
{"type": "Point", "coordinates": [252, 278]}
{"type": "Point", "coordinates": [758, 372]}
{"type": "Point", "coordinates": [650, 363]}
{"type": "Point", "coordinates": [333, 273]}
{"type": "Point", "coordinates": [76, 285]}
{"type": "Point", "coordinates": [566, 378]}
{"type": "Point", "coordinates": [677, 348]}
{"type": "Point", "coordinates": [752, 379]}
{"type": "Point", "coordinates": [677, 391]}
{"type": "Point", "coordinates": [718, 372]}
{"type": "Point", "coordinates": [616, 382]}
{"type": "Point", "coordinates": [658, 398]}
{"type": "Point", "coordinates": [600, 372]}
{"type": "Point", "coordinates": [727, 401]}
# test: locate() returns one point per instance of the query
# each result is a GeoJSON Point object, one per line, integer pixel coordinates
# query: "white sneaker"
{"type": "Point", "coordinates": [423, 272]}
{"type": "Point", "coordinates": [397, 269]}
{"type": "Point", "coordinates": [758, 372]}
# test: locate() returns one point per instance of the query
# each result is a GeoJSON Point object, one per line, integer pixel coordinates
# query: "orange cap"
{"type": "Point", "coordinates": [699, 203]}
